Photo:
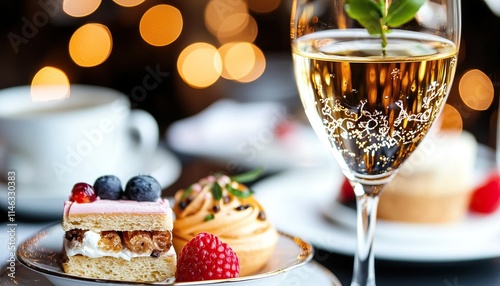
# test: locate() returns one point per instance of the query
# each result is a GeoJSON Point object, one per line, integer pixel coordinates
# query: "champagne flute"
{"type": "Point", "coordinates": [373, 76]}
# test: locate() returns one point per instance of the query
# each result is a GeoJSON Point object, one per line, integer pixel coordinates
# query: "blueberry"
{"type": "Point", "coordinates": [143, 188]}
{"type": "Point", "coordinates": [108, 187]}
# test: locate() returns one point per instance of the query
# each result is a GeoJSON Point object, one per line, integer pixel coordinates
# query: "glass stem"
{"type": "Point", "coordinates": [366, 206]}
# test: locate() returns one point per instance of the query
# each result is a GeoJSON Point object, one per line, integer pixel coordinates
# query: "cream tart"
{"type": "Point", "coordinates": [222, 206]}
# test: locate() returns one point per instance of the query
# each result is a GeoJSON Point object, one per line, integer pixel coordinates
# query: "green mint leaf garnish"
{"type": "Point", "coordinates": [209, 217]}
{"type": "Point", "coordinates": [238, 193]}
{"type": "Point", "coordinates": [248, 176]}
{"type": "Point", "coordinates": [377, 18]}
{"type": "Point", "coordinates": [367, 13]}
{"type": "Point", "coordinates": [216, 191]}
{"type": "Point", "coordinates": [402, 11]}
{"type": "Point", "coordinates": [187, 192]}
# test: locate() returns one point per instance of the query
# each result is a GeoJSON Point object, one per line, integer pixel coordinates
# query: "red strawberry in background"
{"type": "Point", "coordinates": [284, 129]}
{"type": "Point", "coordinates": [346, 192]}
{"type": "Point", "coordinates": [206, 257]}
{"type": "Point", "coordinates": [486, 197]}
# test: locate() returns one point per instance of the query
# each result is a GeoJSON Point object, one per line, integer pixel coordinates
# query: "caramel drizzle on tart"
{"type": "Point", "coordinates": [224, 192]}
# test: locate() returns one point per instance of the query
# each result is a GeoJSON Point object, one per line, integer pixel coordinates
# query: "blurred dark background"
{"type": "Point", "coordinates": [173, 99]}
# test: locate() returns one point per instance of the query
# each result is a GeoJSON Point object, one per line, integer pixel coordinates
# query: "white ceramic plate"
{"type": "Point", "coordinates": [299, 202]}
{"type": "Point", "coordinates": [42, 253]}
{"type": "Point", "coordinates": [31, 201]}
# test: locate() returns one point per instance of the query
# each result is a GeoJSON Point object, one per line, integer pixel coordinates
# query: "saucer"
{"type": "Point", "coordinates": [33, 201]}
{"type": "Point", "coordinates": [289, 264]}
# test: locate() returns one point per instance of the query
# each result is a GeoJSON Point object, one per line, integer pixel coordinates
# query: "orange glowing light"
{"type": "Point", "coordinates": [233, 24]}
{"type": "Point", "coordinates": [476, 90]}
{"type": "Point", "coordinates": [224, 50]}
{"type": "Point", "coordinates": [451, 119]}
{"type": "Point", "coordinates": [128, 3]}
{"type": "Point", "coordinates": [246, 34]}
{"type": "Point", "coordinates": [238, 60]}
{"type": "Point", "coordinates": [90, 45]}
{"type": "Point", "coordinates": [263, 6]}
{"type": "Point", "coordinates": [259, 66]}
{"type": "Point", "coordinates": [80, 8]}
{"type": "Point", "coordinates": [242, 62]}
{"type": "Point", "coordinates": [199, 65]}
{"type": "Point", "coordinates": [49, 83]}
{"type": "Point", "coordinates": [217, 11]}
{"type": "Point", "coordinates": [161, 25]}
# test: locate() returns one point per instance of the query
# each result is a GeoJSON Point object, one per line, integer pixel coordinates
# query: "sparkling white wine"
{"type": "Point", "coordinates": [372, 109]}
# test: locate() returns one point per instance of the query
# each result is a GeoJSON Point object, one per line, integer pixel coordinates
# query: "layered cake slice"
{"type": "Point", "coordinates": [116, 235]}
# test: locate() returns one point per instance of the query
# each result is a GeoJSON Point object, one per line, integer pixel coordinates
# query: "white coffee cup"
{"type": "Point", "coordinates": [53, 145]}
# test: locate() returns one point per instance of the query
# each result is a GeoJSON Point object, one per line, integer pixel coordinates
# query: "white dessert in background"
{"type": "Point", "coordinates": [436, 183]}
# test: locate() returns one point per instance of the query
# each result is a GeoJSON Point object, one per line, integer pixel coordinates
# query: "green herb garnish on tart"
{"type": "Point", "coordinates": [209, 217]}
{"type": "Point", "coordinates": [249, 176]}
{"type": "Point", "coordinates": [239, 194]}
{"type": "Point", "coordinates": [216, 191]}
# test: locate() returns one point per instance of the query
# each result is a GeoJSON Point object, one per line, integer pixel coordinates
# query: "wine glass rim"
{"type": "Point", "coordinates": [360, 32]}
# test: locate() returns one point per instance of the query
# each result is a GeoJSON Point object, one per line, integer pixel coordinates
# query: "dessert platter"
{"type": "Point", "coordinates": [33, 201]}
{"type": "Point", "coordinates": [212, 232]}
{"type": "Point", "coordinates": [330, 225]}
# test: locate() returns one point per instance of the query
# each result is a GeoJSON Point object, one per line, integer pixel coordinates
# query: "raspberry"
{"type": "Point", "coordinates": [486, 198]}
{"type": "Point", "coordinates": [82, 193]}
{"type": "Point", "coordinates": [346, 192]}
{"type": "Point", "coordinates": [206, 257]}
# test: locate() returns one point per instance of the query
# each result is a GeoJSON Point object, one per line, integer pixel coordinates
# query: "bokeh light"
{"type": "Point", "coordinates": [258, 68]}
{"type": "Point", "coordinates": [161, 25]}
{"type": "Point", "coordinates": [49, 83]}
{"type": "Point", "coordinates": [451, 118]}
{"type": "Point", "coordinates": [199, 65]}
{"type": "Point", "coordinates": [233, 24]}
{"type": "Point", "coordinates": [128, 3]}
{"type": "Point", "coordinates": [242, 61]}
{"type": "Point", "coordinates": [218, 11]}
{"type": "Point", "coordinates": [248, 33]}
{"type": "Point", "coordinates": [263, 6]}
{"type": "Point", "coordinates": [238, 59]}
{"type": "Point", "coordinates": [80, 8]}
{"type": "Point", "coordinates": [90, 45]}
{"type": "Point", "coordinates": [476, 90]}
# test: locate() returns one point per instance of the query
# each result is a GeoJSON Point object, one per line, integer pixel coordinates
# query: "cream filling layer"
{"type": "Point", "coordinates": [89, 247]}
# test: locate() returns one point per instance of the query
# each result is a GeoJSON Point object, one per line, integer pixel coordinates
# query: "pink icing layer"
{"type": "Point", "coordinates": [119, 206]}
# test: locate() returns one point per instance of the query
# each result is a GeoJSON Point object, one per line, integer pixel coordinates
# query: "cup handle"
{"type": "Point", "coordinates": [144, 130]}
